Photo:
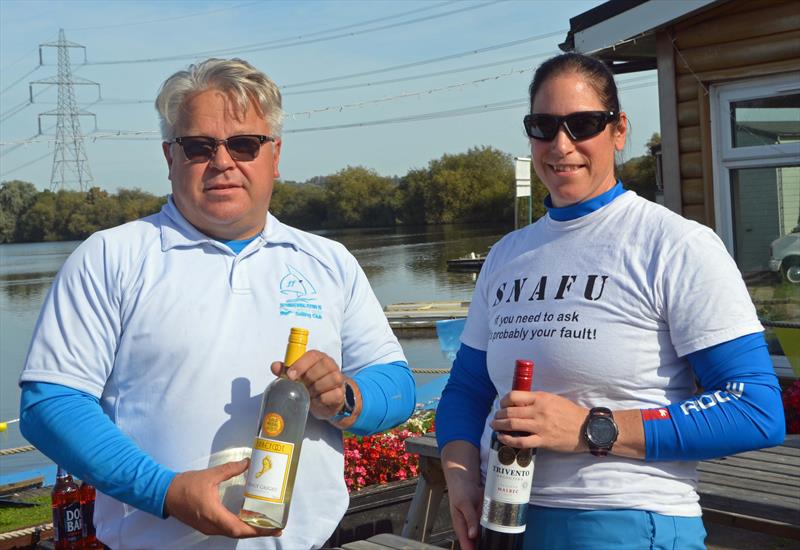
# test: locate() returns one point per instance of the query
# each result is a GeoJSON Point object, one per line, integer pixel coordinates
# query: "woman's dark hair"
{"type": "Point", "coordinates": [596, 73]}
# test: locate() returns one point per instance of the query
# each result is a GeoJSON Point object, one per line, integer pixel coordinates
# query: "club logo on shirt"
{"type": "Point", "coordinates": [301, 295]}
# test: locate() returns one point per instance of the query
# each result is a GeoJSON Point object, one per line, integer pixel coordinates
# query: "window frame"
{"type": "Point", "coordinates": [725, 157]}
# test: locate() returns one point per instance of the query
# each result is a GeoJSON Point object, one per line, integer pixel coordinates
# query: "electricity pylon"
{"type": "Point", "coordinates": [70, 163]}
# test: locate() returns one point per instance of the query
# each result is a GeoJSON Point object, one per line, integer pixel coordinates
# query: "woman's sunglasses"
{"type": "Point", "coordinates": [202, 148]}
{"type": "Point", "coordinates": [579, 126]}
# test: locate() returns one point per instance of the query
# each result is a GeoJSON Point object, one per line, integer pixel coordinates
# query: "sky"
{"type": "Point", "coordinates": [385, 84]}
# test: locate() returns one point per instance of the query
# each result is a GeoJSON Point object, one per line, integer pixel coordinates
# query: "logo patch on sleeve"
{"type": "Point", "coordinates": [655, 414]}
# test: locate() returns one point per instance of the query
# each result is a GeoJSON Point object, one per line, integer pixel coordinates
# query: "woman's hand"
{"type": "Point", "coordinates": [548, 421]}
{"type": "Point", "coordinates": [461, 464]}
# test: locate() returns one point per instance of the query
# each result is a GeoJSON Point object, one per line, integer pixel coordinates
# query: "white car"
{"type": "Point", "coordinates": [784, 256]}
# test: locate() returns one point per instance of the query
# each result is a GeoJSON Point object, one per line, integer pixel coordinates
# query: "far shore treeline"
{"type": "Point", "coordinates": [472, 187]}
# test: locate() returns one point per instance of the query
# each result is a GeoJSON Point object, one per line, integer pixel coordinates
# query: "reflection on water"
{"type": "Point", "coordinates": [402, 264]}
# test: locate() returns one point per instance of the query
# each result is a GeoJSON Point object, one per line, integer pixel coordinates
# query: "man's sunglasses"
{"type": "Point", "coordinates": [579, 126]}
{"type": "Point", "coordinates": [203, 148]}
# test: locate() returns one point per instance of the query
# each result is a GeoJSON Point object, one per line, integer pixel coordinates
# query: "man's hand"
{"type": "Point", "coordinates": [324, 380]}
{"type": "Point", "coordinates": [193, 498]}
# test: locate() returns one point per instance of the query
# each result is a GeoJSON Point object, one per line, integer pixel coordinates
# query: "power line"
{"type": "Point", "coordinates": [283, 44]}
{"type": "Point", "coordinates": [24, 56]}
{"type": "Point", "coordinates": [101, 27]}
{"type": "Point", "coordinates": [488, 107]}
{"type": "Point", "coordinates": [428, 61]}
{"type": "Point", "coordinates": [635, 83]}
{"type": "Point", "coordinates": [34, 161]}
{"type": "Point", "coordinates": [20, 79]}
{"type": "Point", "coordinates": [450, 87]}
{"type": "Point", "coordinates": [417, 77]}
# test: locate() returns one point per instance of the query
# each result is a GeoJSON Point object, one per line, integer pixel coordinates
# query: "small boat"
{"type": "Point", "coordinates": [470, 262]}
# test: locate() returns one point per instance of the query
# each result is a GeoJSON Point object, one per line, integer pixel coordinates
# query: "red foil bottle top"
{"type": "Point", "coordinates": [523, 375]}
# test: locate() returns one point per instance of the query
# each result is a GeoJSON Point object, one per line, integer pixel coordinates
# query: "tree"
{"type": "Point", "coordinates": [639, 173]}
{"type": "Point", "coordinates": [475, 186]}
{"type": "Point", "coordinates": [15, 198]}
{"type": "Point", "coordinates": [299, 204]}
{"type": "Point", "coordinates": [357, 196]}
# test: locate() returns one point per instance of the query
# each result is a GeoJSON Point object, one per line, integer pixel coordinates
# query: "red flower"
{"type": "Point", "coordinates": [382, 458]}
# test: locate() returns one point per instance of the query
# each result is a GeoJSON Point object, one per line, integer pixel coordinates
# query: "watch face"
{"type": "Point", "coordinates": [602, 431]}
{"type": "Point", "coordinates": [349, 398]}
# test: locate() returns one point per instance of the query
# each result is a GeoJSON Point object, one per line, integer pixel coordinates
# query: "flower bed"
{"type": "Point", "coordinates": [382, 458]}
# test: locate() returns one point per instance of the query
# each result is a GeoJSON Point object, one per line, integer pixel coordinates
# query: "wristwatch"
{"type": "Point", "coordinates": [600, 431]}
{"type": "Point", "coordinates": [348, 406]}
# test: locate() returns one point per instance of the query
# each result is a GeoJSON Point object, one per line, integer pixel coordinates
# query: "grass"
{"type": "Point", "coordinates": [13, 518]}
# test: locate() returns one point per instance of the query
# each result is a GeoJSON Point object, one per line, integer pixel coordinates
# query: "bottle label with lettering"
{"type": "Point", "coordinates": [269, 470]}
{"type": "Point", "coordinates": [508, 489]}
{"type": "Point", "coordinates": [68, 525]}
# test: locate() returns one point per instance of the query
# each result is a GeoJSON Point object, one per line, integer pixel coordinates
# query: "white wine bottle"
{"type": "Point", "coordinates": [276, 451]}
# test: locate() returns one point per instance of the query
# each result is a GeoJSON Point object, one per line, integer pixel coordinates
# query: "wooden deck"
{"type": "Point", "coordinates": [757, 490]}
{"type": "Point", "coordinates": [423, 315]}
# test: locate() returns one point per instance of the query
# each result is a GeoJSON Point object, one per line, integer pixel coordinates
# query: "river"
{"type": "Point", "coordinates": [402, 264]}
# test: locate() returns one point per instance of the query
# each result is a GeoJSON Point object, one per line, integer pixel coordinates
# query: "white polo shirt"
{"type": "Point", "coordinates": [175, 334]}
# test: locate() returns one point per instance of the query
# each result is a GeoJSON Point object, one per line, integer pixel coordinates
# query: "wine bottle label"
{"type": "Point", "coordinates": [273, 424]}
{"type": "Point", "coordinates": [269, 470]}
{"type": "Point", "coordinates": [508, 489]}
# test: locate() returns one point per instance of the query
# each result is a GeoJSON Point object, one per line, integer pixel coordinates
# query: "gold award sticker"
{"type": "Point", "coordinates": [273, 424]}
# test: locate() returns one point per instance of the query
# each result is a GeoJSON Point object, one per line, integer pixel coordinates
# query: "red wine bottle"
{"type": "Point", "coordinates": [509, 477]}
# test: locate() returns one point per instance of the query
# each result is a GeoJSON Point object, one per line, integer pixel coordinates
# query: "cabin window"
{"type": "Point", "coordinates": [755, 132]}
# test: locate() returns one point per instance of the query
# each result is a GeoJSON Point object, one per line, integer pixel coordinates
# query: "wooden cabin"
{"type": "Point", "coordinates": [729, 104]}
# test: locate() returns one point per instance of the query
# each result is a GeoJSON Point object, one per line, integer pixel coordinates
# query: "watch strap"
{"type": "Point", "coordinates": [348, 406]}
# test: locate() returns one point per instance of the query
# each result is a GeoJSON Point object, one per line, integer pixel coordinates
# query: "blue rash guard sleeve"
{"type": "Point", "coordinates": [388, 397]}
{"type": "Point", "coordinates": [466, 399]}
{"type": "Point", "coordinates": [70, 427]}
{"type": "Point", "coordinates": [740, 408]}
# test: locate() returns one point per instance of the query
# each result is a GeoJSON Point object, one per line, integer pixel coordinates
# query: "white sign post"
{"type": "Point", "coordinates": [522, 170]}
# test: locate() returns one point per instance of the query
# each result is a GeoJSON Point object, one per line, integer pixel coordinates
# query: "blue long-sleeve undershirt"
{"type": "Point", "coordinates": [388, 397]}
{"type": "Point", "coordinates": [466, 399]}
{"type": "Point", "coordinates": [739, 410]}
{"type": "Point", "coordinates": [70, 427]}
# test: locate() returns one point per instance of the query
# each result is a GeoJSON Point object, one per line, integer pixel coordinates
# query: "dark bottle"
{"type": "Point", "coordinates": [509, 477]}
{"type": "Point", "coordinates": [88, 495]}
{"type": "Point", "coordinates": [66, 503]}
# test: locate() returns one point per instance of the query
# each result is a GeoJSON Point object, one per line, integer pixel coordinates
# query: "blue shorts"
{"type": "Point", "coordinates": [567, 528]}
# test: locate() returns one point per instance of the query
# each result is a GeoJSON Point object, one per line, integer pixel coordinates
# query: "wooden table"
{"type": "Point", "coordinates": [756, 490]}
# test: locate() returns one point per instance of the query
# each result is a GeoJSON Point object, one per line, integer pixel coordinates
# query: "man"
{"type": "Point", "coordinates": [154, 345]}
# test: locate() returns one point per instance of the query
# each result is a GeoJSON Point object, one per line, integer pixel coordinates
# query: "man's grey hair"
{"type": "Point", "coordinates": [236, 77]}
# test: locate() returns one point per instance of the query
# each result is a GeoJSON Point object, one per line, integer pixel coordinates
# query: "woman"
{"type": "Point", "coordinates": [622, 305]}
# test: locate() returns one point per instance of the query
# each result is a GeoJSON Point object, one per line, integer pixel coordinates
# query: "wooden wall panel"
{"type": "Point", "coordinates": [695, 212]}
{"type": "Point", "coordinates": [689, 139]}
{"type": "Point", "coordinates": [740, 53]}
{"type": "Point", "coordinates": [693, 192]}
{"type": "Point", "coordinates": [735, 40]}
{"type": "Point", "coordinates": [688, 113]}
{"type": "Point", "coordinates": [686, 87]}
{"type": "Point", "coordinates": [735, 28]}
{"type": "Point", "coordinates": [750, 71]}
{"type": "Point", "coordinates": [691, 166]}
{"type": "Point", "coordinates": [729, 9]}
{"type": "Point", "coordinates": [704, 101]}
